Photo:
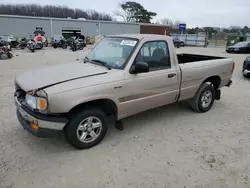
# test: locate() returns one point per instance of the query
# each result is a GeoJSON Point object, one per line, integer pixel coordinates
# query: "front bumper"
{"type": "Point", "coordinates": [48, 126]}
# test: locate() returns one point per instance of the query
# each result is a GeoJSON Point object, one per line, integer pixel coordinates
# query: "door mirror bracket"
{"type": "Point", "coordinates": [139, 67]}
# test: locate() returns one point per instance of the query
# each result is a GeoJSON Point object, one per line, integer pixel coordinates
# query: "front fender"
{"type": "Point", "coordinates": [62, 104]}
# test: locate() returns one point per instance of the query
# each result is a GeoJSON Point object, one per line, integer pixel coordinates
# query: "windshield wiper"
{"type": "Point", "coordinates": [101, 62]}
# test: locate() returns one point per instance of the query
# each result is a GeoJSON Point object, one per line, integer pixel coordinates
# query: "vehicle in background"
{"type": "Point", "coordinates": [5, 53]}
{"type": "Point", "coordinates": [58, 41]}
{"type": "Point", "coordinates": [31, 45]}
{"type": "Point", "coordinates": [70, 40]}
{"type": "Point", "coordinates": [233, 39]}
{"type": "Point", "coordinates": [23, 43]}
{"type": "Point", "coordinates": [77, 44]}
{"type": "Point", "coordinates": [246, 67]}
{"type": "Point", "coordinates": [55, 39]}
{"type": "Point", "coordinates": [40, 38]}
{"type": "Point", "coordinates": [11, 40]}
{"type": "Point", "coordinates": [60, 44]}
{"type": "Point", "coordinates": [240, 47]}
{"type": "Point", "coordinates": [123, 75]}
{"type": "Point", "coordinates": [4, 43]}
{"type": "Point", "coordinates": [179, 41]}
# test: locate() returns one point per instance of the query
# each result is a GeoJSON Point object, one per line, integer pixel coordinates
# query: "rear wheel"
{"type": "Point", "coordinates": [64, 46]}
{"type": "Point", "coordinates": [204, 98]}
{"type": "Point", "coordinates": [86, 129]}
{"type": "Point", "coordinates": [10, 55]}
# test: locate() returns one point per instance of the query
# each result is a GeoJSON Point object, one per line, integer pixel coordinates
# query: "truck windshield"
{"type": "Point", "coordinates": [113, 51]}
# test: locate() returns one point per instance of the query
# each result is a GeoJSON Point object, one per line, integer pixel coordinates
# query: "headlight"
{"type": "Point", "coordinates": [36, 103]}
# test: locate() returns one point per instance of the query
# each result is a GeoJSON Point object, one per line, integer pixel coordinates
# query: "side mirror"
{"type": "Point", "coordinates": [139, 67]}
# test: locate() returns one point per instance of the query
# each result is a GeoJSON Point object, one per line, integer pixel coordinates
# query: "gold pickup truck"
{"type": "Point", "coordinates": [122, 76]}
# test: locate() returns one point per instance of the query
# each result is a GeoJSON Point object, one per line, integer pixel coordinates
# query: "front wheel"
{"type": "Point", "coordinates": [87, 128]}
{"type": "Point", "coordinates": [203, 99]}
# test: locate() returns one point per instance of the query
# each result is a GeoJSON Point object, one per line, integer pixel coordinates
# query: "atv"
{"type": "Point", "coordinates": [5, 53]}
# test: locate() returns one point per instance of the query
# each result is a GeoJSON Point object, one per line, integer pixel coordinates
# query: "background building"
{"type": "Point", "coordinates": [23, 26]}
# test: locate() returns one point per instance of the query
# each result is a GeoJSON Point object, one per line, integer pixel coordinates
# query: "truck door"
{"type": "Point", "coordinates": [157, 87]}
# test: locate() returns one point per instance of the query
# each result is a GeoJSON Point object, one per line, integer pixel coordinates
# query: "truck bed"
{"type": "Point", "coordinates": [188, 58]}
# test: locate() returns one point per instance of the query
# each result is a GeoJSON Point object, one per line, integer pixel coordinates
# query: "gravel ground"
{"type": "Point", "coordinates": [167, 147]}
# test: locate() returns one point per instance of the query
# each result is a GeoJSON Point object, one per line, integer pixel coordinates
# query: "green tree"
{"type": "Point", "coordinates": [134, 12]}
{"type": "Point", "coordinates": [245, 29]}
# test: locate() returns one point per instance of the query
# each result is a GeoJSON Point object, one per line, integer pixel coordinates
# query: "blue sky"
{"type": "Point", "coordinates": [218, 13]}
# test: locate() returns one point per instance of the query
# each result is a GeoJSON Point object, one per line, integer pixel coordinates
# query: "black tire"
{"type": "Point", "coordinates": [10, 55]}
{"type": "Point", "coordinates": [3, 56]}
{"type": "Point", "coordinates": [245, 76]}
{"type": "Point", "coordinates": [55, 46]}
{"type": "Point", "coordinates": [64, 46]}
{"type": "Point", "coordinates": [75, 120]}
{"type": "Point", "coordinates": [32, 50]}
{"type": "Point", "coordinates": [196, 103]}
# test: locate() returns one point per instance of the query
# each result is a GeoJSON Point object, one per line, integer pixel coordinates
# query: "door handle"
{"type": "Point", "coordinates": [171, 75]}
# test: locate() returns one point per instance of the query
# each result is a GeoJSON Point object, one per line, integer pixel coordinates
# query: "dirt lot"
{"type": "Point", "coordinates": [166, 147]}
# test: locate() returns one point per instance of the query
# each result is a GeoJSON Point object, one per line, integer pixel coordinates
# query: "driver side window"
{"type": "Point", "coordinates": [156, 54]}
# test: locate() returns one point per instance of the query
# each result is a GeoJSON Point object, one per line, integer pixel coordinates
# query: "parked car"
{"type": "Point", "coordinates": [246, 67]}
{"type": "Point", "coordinates": [240, 47]}
{"type": "Point", "coordinates": [179, 41]}
{"type": "Point", "coordinates": [123, 75]}
{"type": "Point", "coordinates": [11, 40]}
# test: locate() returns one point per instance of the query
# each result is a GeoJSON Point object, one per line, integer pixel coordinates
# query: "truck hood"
{"type": "Point", "coordinates": [47, 77]}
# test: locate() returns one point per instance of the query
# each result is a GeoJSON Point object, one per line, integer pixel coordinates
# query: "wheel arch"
{"type": "Point", "coordinates": [108, 106]}
{"type": "Point", "coordinates": [214, 80]}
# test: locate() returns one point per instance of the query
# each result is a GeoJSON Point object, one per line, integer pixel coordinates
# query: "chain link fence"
{"type": "Point", "coordinates": [217, 40]}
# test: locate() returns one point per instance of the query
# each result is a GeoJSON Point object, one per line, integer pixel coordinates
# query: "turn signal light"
{"type": "Point", "coordinates": [42, 103]}
{"type": "Point", "coordinates": [34, 126]}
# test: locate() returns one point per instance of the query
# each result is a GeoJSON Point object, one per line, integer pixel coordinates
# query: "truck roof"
{"type": "Point", "coordinates": [140, 36]}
